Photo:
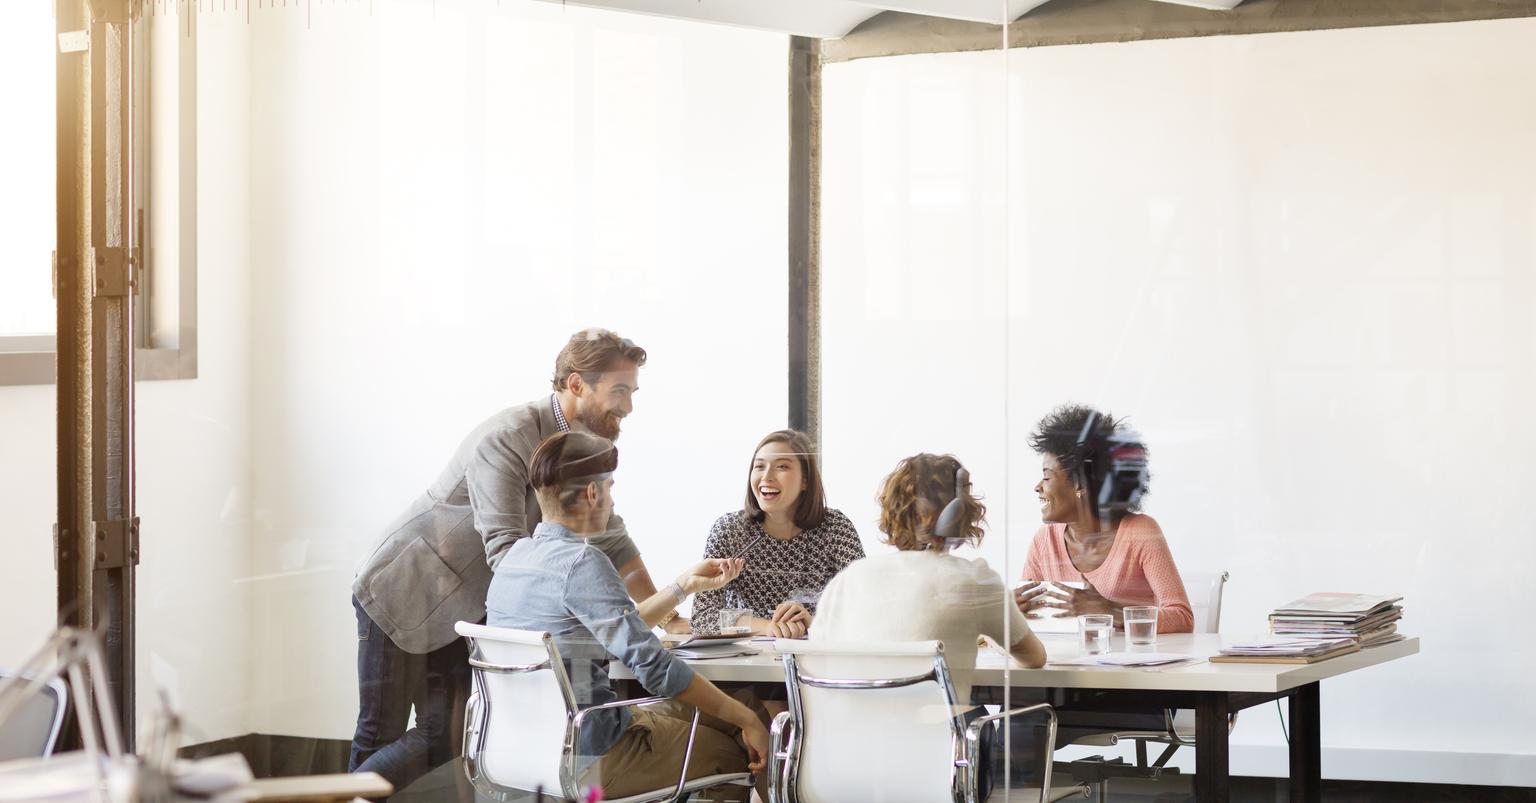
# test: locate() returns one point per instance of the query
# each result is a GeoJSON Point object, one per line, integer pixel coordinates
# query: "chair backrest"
{"type": "Point", "coordinates": [1205, 590]}
{"type": "Point", "coordinates": [874, 722]}
{"type": "Point", "coordinates": [33, 730]}
{"type": "Point", "coordinates": [525, 707]}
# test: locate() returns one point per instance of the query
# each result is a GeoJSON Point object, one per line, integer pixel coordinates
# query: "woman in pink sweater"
{"type": "Point", "coordinates": [1093, 475]}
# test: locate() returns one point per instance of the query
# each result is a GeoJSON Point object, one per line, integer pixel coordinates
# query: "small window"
{"type": "Point", "coordinates": [164, 205]}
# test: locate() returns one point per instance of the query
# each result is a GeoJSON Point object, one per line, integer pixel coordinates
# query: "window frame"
{"type": "Point", "coordinates": [30, 359]}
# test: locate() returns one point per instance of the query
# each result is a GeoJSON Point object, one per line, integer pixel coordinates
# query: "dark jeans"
{"type": "Point", "coordinates": [390, 681]}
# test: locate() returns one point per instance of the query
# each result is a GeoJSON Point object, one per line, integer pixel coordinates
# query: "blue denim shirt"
{"type": "Point", "coordinates": [555, 581]}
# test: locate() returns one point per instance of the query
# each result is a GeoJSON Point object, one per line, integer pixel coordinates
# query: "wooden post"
{"type": "Point", "coordinates": [804, 236]}
{"type": "Point", "coordinates": [96, 537]}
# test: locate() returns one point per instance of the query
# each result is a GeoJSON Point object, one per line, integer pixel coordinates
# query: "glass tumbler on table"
{"type": "Point", "coordinates": [1095, 632]}
{"type": "Point", "coordinates": [735, 621]}
{"type": "Point", "coordinates": [1141, 624]}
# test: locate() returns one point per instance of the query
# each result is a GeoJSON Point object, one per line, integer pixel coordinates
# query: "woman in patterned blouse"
{"type": "Point", "coordinates": [792, 542]}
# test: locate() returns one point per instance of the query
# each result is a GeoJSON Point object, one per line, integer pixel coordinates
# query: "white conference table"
{"type": "Point", "coordinates": [1213, 690]}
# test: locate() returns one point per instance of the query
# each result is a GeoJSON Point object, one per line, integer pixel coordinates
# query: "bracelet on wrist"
{"type": "Point", "coordinates": [678, 594]}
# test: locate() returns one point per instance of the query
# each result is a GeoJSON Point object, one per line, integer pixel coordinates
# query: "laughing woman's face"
{"type": "Point", "coordinates": [1057, 492]}
{"type": "Point", "coordinates": [776, 478]}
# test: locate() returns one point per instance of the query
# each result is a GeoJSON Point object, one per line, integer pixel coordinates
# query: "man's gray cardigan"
{"type": "Point", "coordinates": [433, 566]}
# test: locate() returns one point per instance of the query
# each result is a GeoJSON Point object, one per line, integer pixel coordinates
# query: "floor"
{"type": "Point", "coordinates": [1277, 790]}
{"type": "Point", "coordinates": [447, 784]}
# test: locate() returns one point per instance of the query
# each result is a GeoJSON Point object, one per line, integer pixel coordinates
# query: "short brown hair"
{"type": "Point", "coordinates": [590, 352]}
{"type": "Point", "coordinates": [931, 478]}
{"type": "Point", "coordinates": [811, 509]}
{"type": "Point", "coordinates": [566, 463]}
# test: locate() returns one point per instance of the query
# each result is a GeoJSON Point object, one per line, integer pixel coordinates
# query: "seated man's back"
{"type": "Point", "coordinates": [556, 582]}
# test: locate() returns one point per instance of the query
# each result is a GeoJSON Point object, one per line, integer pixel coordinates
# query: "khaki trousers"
{"type": "Point", "coordinates": [650, 753]}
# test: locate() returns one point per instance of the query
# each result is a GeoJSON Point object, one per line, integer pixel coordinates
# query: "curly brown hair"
{"type": "Point", "coordinates": [924, 478]}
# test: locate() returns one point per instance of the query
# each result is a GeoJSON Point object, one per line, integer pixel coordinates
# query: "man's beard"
{"type": "Point", "coordinates": [599, 422]}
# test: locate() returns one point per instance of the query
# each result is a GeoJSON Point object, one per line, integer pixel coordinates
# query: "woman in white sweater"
{"type": "Point", "coordinates": [921, 591]}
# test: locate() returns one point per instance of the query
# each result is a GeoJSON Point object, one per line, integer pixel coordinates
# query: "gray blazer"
{"type": "Point", "coordinates": [433, 565]}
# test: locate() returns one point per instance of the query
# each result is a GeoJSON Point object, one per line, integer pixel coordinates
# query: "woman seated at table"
{"type": "Point", "coordinates": [921, 592]}
{"type": "Point", "coordinates": [1093, 475]}
{"type": "Point", "coordinates": [791, 541]}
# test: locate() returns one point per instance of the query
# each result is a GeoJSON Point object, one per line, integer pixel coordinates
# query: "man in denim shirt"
{"type": "Point", "coordinates": [555, 581]}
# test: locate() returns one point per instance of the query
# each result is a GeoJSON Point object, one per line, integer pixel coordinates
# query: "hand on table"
{"type": "Point", "coordinates": [789, 614]}
{"type": "Point", "coordinates": [679, 625]}
{"type": "Point", "coordinates": [711, 575]}
{"type": "Point", "coordinates": [1071, 601]}
{"type": "Point", "coordinates": [788, 628]}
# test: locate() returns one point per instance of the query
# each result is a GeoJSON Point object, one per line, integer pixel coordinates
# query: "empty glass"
{"type": "Point", "coordinates": [1141, 624]}
{"type": "Point", "coordinates": [1095, 632]}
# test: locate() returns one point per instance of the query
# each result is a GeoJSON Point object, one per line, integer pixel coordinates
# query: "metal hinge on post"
{"type": "Point", "coordinates": [113, 271]}
{"type": "Point", "coordinates": [60, 546]}
{"type": "Point", "coordinates": [117, 543]}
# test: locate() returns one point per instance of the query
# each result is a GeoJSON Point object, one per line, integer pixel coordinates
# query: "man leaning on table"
{"type": "Point", "coordinates": [557, 582]}
{"type": "Point", "coordinates": [433, 566]}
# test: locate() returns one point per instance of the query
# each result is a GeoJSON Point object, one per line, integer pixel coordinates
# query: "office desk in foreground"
{"type": "Point", "coordinates": [1213, 690]}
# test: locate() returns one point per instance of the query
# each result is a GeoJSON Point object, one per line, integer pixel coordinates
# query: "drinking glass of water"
{"type": "Point", "coordinates": [735, 621]}
{"type": "Point", "coordinates": [1094, 632]}
{"type": "Point", "coordinates": [1141, 624]}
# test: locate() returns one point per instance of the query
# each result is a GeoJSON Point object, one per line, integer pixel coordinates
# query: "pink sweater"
{"type": "Point", "coordinates": [1138, 571]}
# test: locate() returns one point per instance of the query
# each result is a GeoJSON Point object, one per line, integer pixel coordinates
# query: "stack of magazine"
{"type": "Point", "coordinates": [1368, 619]}
{"type": "Point", "coordinates": [1285, 650]}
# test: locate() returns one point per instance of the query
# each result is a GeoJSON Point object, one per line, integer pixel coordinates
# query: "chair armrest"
{"type": "Point", "coordinates": [583, 713]}
{"type": "Point", "coordinates": [474, 730]}
{"type": "Point", "coordinates": [973, 747]}
{"type": "Point", "coordinates": [779, 757]}
{"type": "Point", "coordinates": [573, 736]}
{"type": "Point", "coordinates": [573, 730]}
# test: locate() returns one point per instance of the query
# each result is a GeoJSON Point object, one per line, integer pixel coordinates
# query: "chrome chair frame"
{"type": "Point", "coordinates": [478, 711]}
{"type": "Point", "coordinates": [1169, 735]}
{"type": "Point", "coordinates": [56, 687]}
{"type": "Point", "coordinates": [785, 742]}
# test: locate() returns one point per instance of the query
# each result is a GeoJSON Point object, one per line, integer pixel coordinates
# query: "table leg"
{"type": "Point", "coordinates": [1212, 772]}
{"type": "Point", "coordinates": [1306, 745]}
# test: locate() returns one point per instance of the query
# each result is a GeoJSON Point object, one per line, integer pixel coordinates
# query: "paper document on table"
{"type": "Point", "coordinates": [1141, 658]}
{"type": "Point", "coordinates": [1285, 646]}
{"type": "Point", "coordinates": [1126, 659]}
{"type": "Point", "coordinates": [699, 652]}
{"type": "Point", "coordinates": [696, 640]}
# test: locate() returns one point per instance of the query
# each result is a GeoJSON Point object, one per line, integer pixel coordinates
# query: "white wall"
{"type": "Point", "coordinates": [440, 196]}
{"type": "Point", "coordinates": [193, 453]}
{"type": "Point", "coordinates": [1301, 263]}
{"type": "Point", "coordinates": [27, 494]}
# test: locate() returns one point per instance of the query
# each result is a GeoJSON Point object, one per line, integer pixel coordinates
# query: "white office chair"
{"type": "Point", "coordinates": [32, 730]}
{"type": "Point", "coordinates": [522, 726]}
{"type": "Point", "coordinates": [1204, 590]}
{"type": "Point", "coordinates": [875, 722]}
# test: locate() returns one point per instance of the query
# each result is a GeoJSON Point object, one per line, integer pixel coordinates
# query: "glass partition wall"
{"type": "Point", "coordinates": [419, 204]}
{"type": "Point", "coordinates": [1275, 285]}
{"type": "Point", "coordinates": [1283, 261]}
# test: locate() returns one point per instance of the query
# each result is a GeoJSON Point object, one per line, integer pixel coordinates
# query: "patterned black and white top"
{"type": "Point", "coordinates": [777, 571]}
